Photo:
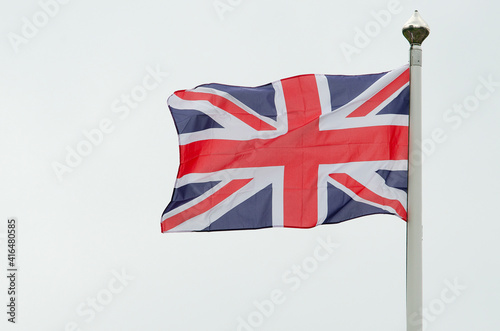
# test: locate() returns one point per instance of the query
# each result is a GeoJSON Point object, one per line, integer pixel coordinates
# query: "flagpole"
{"type": "Point", "coordinates": [415, 31]}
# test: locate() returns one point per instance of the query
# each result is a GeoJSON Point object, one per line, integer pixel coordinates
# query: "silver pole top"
{"type": "Point", "coordinates": [415, 29]}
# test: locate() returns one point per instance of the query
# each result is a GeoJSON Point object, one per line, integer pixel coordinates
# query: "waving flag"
{"type": "Point", "coordinates": [302, 151]}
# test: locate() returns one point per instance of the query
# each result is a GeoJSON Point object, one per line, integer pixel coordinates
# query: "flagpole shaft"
{"type": "Point", "coordinates": [414, 224]}
{"type": "Point", "coordinates": [415, 31]}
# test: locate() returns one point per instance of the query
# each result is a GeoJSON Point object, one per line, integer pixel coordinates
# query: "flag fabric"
{"type": "Point", "coordinates": [299, 152]}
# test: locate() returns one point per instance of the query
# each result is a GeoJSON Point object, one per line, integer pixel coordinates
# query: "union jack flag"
{"type": "Point", "coordinates": [299, 152]}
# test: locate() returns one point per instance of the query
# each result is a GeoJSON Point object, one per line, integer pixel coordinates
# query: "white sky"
{"type": "Point", "coordinates": [67, 76]}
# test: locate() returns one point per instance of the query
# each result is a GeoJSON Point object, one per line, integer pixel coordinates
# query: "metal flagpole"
{"type": "Point", "coordinates": [415, 31]}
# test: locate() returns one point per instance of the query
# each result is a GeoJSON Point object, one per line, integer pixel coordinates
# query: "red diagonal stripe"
{"type": "Point", "coordinates": [205, 205]}
{"type": "Point", "coordinates": [382, 95]}
{"type": "Point", "coordinates": [363, 192]}
{"type": "Point", "coordinates": [227, 106]}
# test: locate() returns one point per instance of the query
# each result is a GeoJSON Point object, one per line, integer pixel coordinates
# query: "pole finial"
{"type": "Point", "coordinates": [415, 29]}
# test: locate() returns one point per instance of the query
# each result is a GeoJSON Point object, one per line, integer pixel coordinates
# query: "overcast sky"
{"type": "Point", "coordinates": [87, 170]}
